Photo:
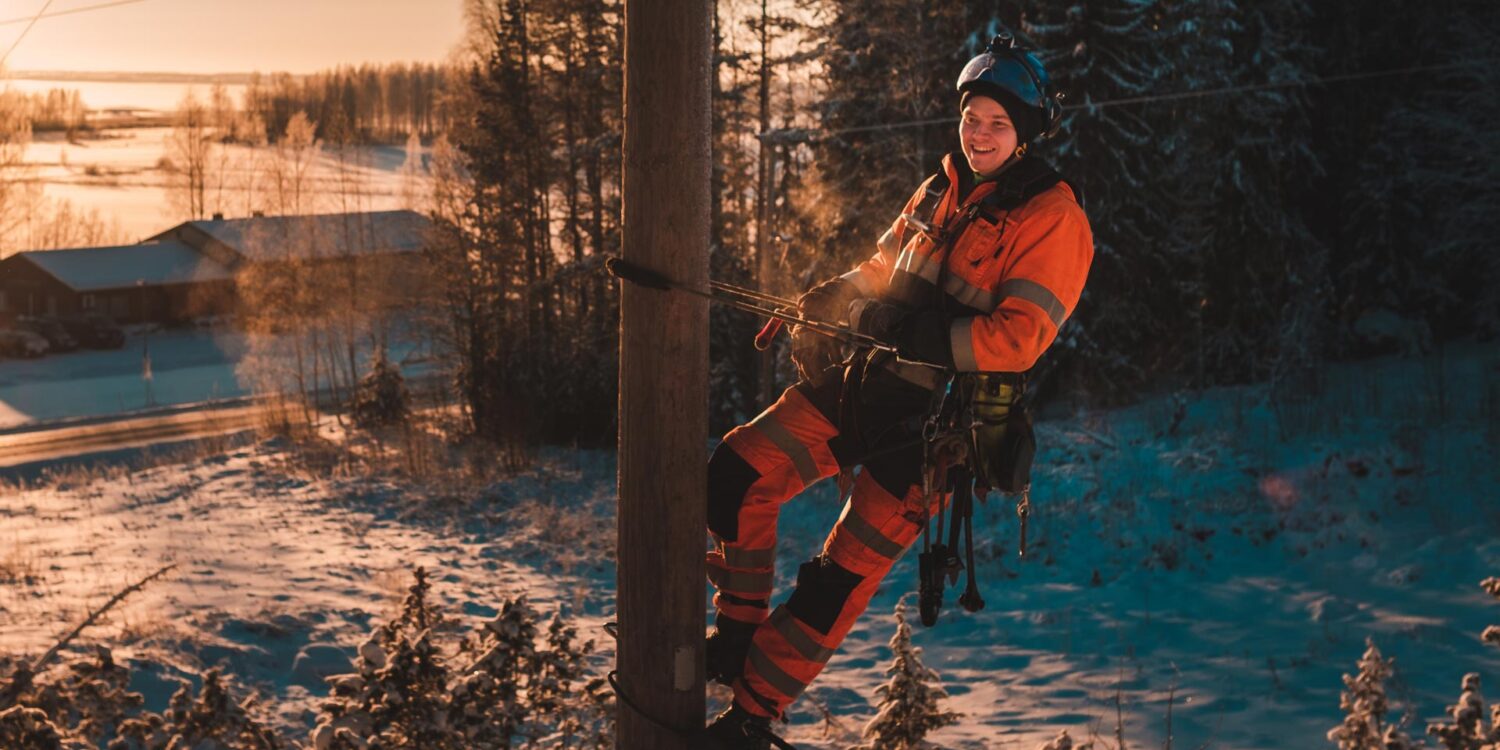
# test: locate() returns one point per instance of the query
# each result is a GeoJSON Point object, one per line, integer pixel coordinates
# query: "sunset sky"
{"type": "Point", "coordinates": [228, 36]}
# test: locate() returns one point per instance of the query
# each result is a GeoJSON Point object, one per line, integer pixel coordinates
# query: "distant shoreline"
{"type": "Point", "coordinates": [86, 76]}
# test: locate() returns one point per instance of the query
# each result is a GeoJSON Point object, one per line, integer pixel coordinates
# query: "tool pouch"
{"type": "Point", "coordinates": [1004, 442]}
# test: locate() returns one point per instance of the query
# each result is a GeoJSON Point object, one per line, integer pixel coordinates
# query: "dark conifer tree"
{"type": "Point", "coordinates": [1103, 51]}
{"type": "Point", "coordinates": [886, 63]}
{"type": "Point", "coordinates": [1418, 245]}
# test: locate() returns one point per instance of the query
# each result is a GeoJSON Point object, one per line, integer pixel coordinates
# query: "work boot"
{"type": "Point", "coordinates": [726, 648]}
{"type": "Point", "coordinates": [738, 729]}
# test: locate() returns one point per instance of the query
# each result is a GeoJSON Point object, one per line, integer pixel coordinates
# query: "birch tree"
{"type": "Point", "coordinates": [190, 149]}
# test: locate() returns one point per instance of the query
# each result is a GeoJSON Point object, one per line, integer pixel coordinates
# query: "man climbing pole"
{"type": "Point", "coordinates": [968, 286]}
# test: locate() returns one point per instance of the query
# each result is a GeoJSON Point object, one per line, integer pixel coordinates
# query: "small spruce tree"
{"type": "Point", "coordinates": [909, 699]}
{"type": "Point", "coordinates": [1467, 730]}
{"type": "Point", "coordinates": [488, 706]}
{"type": "Point", "coordinates": [381, 398]}
{"type": "Point", "coordinates": [212, 720]}
{"type": "Point", "coordinates": [398, 696]}
{"type": "Point", "coordinates": [1491, 634]}
{"type": "Point", "coordinates": [498, 689]}
{"type": "Point", "coordinates": [1064, 742]}
{"type": "Point", "coordinates": [90, 699]}
{"type": "Point", "coordinates": [553, 699]}
{"type": "Point", "coordinates": [1364, 704]}
{"type": "Point", "coordinates": [27, 728]}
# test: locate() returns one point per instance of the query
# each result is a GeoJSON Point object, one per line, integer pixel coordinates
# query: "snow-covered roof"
{"type": "Point", "coordinates": [263, 238]}
{"type": "Point", "coordinates": [92, 269]}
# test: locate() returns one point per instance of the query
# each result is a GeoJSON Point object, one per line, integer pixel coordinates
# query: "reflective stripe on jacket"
{"type": "Point", "coordinates": [1012, 278]}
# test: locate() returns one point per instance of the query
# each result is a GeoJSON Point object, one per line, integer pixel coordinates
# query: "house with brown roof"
{"type": "Point", "coordinates": [189, 270]}
{"type": "Point", "coordinates": [154, 281]}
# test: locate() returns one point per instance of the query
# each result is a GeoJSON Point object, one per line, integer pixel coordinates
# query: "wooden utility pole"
{"type": "Point", "coordinates": [664, 374]}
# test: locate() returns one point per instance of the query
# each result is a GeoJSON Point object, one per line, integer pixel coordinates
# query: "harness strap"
{"type": "Point", "coordinates": [927, 208]}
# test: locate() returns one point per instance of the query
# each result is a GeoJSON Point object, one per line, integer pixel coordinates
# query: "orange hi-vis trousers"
{"type": "Point", "coordinates": [758, 467]}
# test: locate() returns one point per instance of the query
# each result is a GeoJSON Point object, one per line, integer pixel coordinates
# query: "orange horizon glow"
{"type": "Point", "coordinates": [229, 36]}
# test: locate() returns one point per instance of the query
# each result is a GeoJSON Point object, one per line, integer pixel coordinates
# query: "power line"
{"type": "Point", "coordinates": [1165, 97]}
{"type": "Point", "coordinates": [68, 12]}
{"type": "Point", "coordinates": [24, 32]}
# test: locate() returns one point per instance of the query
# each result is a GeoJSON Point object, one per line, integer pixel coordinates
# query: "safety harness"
{"type": "Point", "coordinates": [952, 460]}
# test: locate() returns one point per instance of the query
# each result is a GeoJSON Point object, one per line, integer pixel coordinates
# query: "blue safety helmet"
{"type": "Point", "coordinates": [1008, 72]}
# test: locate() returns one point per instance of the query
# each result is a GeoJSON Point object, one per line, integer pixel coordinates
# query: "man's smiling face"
{"type": "Point", "coordinates": [986, 134]}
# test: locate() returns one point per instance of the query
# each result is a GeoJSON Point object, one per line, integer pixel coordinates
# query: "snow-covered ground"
{"type": "Point", "coordinates": [188, 366]}
{"type": "Point", "coordinates": [1232, 549]}
{"type": "Point", "coordinates": [120, 174]}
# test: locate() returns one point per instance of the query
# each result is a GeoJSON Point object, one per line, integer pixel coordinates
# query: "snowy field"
{"type": "Point", "coordinates": [1227, 549]}
{"type": "Point", "coordinates": [119, 173]}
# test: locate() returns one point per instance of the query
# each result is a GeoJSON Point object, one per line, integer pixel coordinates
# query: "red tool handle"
{"type": "Point", "coordinates": [767, 334]}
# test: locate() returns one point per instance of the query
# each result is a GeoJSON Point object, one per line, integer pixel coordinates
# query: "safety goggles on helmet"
{"type": "Point", "coordinates": [1014, 69]}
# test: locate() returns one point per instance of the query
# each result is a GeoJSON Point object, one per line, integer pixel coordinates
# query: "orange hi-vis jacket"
{"type": "Point", "coordinates": [1012, 275]}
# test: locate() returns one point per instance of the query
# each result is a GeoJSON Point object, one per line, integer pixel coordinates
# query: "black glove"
{"type": "Point", "coordinates": [828, 301]}
{"type": "Point", "coordinates": [920, 336]}
{"type": "Point", "coordinates": [815, 354]}
{"type": "Point", "coordinates": [925, 337]}
{"type": "Point", "coordinates": [879, 320]}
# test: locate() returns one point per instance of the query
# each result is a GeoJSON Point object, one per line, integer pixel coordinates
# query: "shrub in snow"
{"type": "Point", "coordinates": [1467, 730]}
{"type": "Point", "coordinates": [497, 689]}
{"type": "Point", "coordinates": [908, 700]}
{"type": "Point", "coordinates": [578, 720]}
{"type": "Point", "coordinates": [397, 698]}
{"type": "Point", "coordinates": [488, 704]}
{"type": "Point", "coordinates": [380, 398]}
{"type": "Point", "coordinates": [88, 701]}
{"type": "Point", "coordinates": [212, 721]}
{"type": "Point", "coordinates": [1063, 742]}
{"type": "Point", "coordinates": [1364, 704]}
{"type": "Point", "coordinates": [1491, 634]}
{"type": "Point", "coordinates": [26, 728]}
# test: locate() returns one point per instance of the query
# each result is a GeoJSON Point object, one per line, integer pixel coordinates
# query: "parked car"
{"type": "Point", "coordinates": [94, 331]}
{"type": "Point", "coordinates": [57, 337]}
{"type": "Point", "coordinates": [18, 343]}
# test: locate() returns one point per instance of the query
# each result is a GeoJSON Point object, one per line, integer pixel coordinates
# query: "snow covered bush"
{"type": "Point", "coordinates": [497, 689]}
{"type": "Point", "coordinates": [487, 703]}
{"type": "Point", "coordinates": [397, 697]}
{"type": "Point", "coordinates": [1491, 634]}
{"type": "Point", "coordinates": [90, 698]}
{"type": "Point", "coordinates": [85, 703]}
{"type": "Point", "coordinates": [381, 398]}
{"type": "Point", "coordinates": [25, 728]}
{"type": "Point", "coordinates": [1063, 742]}
{"type": "Point", "coordinates": [1364, 704]}
{"type": "Point", "coordinates": [1467, 730]}
{"type": "Point", "coordinates": [908, 700]}
{"type": "Point", "coordinates": [212, 721]}
{"type": "Point", "coordinates": [1365, 707]}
